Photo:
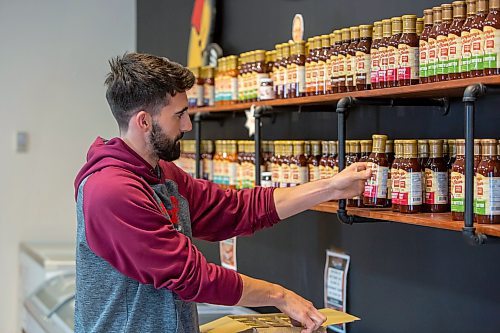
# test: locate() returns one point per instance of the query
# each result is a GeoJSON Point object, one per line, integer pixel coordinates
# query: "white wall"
{"type": "Point", "coordinates": [53, 60]}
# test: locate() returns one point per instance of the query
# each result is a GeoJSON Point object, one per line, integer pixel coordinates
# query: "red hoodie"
{"type": "Point", "coordinates": [137, 235]}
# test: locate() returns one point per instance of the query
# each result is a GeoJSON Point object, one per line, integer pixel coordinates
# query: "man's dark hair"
{"type": "Point", "coordinates": [143, 82]}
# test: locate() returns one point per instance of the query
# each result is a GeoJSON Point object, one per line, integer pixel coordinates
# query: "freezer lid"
{"type": "Point", "coordinates": [50, 255]}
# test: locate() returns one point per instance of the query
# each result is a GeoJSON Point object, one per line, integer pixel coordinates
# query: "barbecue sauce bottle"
{"type": "Point", "coordinates": [375, 54]}
{"type": "Point", "coordinates": [424, 47]}
{"type": "Point", "coordinates": [455, 41]}
{"type": "Point", "coordinates": [375, 194]}
{"type": "Point", "coordinates": [486, 202]}
{"type": "Point", "coordinates": [410, 180]}
{"type": "Point", "coordinates": [393, 52]}
{"type": "Point", "coordinates": [442, 42]}
{"type": "Point", "coordinates": [491, 31]}
{"type": "Point", "coordinates": [382, 48]}
{"type": "Point", "coordinates": [363, 58]}
{"type": "Point", "coordinates": [436, 179]}
{"type": "Point", "coordinates": [466, 60]}
{"type": "Point", "coordinates": [477, 39]}
{"type": "Point", "coordinates": [433, 45]}
{"type": "Point", "coordinates": [408, 52]}
{"type": "Point", "coordinates": [457, 180]}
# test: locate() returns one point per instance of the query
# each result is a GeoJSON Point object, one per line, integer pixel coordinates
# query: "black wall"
{"type": "Point", "coordinates": [403, 278]}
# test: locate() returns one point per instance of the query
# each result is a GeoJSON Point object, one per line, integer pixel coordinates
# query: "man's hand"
{"type": "Point", "coordinates": [347, 184]}
{"type": "Point", "coordinates": [261, 293]}
{"type": "Point", "coordinates": [299, 310]}
{"type": "Point", "coordinates": [350, 182]}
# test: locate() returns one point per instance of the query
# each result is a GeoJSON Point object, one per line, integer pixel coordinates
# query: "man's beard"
{"type": "Point", "coordinates": [163, 147]}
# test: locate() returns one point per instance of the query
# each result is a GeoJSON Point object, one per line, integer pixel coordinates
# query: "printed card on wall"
{"type": "Point", "coordinates": [336, 268]}
{"type": "Point", "coordinates": [228, 253]}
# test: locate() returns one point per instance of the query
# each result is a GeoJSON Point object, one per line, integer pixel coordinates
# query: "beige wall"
{"type": "Point", "coordinates": [53, 60]}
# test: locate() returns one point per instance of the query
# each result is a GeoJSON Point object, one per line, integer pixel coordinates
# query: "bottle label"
{"type": "Point", "coordinates": [209, 95]}
{"type": "Point", "coordinates": [349, 72]}
{"type": "Point", "coordinates": [442, 64]}
{"type": "Point", "coordinates": [424, 50]}
{"type": "Point", "coordinates": [299, 174]}
{"type": "Point", "coordinates": [382, 73]}
{"type": "Point", "coordinates": [314, 76]}
{"type": "Point", "coordinates": [457, 192]}
{"type": "Point", "coordinates": [322, 70]}
{"type": "Point", "coordinates": [393, 59]}
{"type": "Point", "coordinates": [375, 66]}
{"type": "Point", "coordinates": [432, 61]}
{"type": "Point", "coordinates": [395, 186]}
{"type": "Point", "coordinates": [363, 70]}
{"type": "Point", "coordinates": [477, 49]}
{"type": "Point", "coordinates": [376, 185]}
{"type": "Point", "coordinates": [487, 200]}
{"type": "Point", "coordinates": [466, 52]}
{"type": "Point", "coordinates": [410, 188]}
{"type": "Point", "coordinates": [454, 53]}
{"type": "Point", "coordinates": [314, 173]}
{"type": "Point", "coordinates": [335, 69]}
{"type": "Point", "coordinates": [408, 62]}
{"type": "Point", "coordinates": [342, 64]}
{"type": "Point", "coordinates": [323, 172]}
{"type": "Point", "coordinates": [234, 89]}
{"type": "Point", "coordinates": [285, 175]}
{"type": "Point", "coordinates": [199, 95]}
{"type": "Point", "coordinates": [191, 96]}
{"type": "Point", "coordinates": [436, 187]}
{"type": "Point", "coordinates": [232, 173]}
{"type": "Point", "coordinates": [275, 174]}
{"type": "Point", "coordinates": [491, 47]}
{"type": "Point", "coordinates": [389, 185]}
{"type": "Point", "coordinates": [208, 169]}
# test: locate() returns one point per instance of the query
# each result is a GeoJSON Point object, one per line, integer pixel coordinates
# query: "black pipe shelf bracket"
{"type": "Point", "coordinates": [343, 107]}
{"type": "Point", "coordinates": [470, 97]}
{"type": "Point", "coordinates": [198, 118]}
{"type": "Point", "coordinates": [265, 111]}
{"type": "Point", "coordinates": [259, 113]}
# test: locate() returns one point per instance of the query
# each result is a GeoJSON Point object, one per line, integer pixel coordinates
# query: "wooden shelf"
{"type": "Point", "coordinates": [440, 221]}
{"type": "Point", "coordinates": [453, 88]}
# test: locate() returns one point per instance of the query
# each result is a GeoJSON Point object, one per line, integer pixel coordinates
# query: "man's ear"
{"type": "Point", "coordinates": [142, 120]}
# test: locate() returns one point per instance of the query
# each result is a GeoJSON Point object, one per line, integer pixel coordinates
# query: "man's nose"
{"type": "Point", "coordinates": [186, 125]}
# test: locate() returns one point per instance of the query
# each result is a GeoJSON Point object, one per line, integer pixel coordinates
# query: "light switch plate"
{"type": "Point", "coordinates": [22, 141]}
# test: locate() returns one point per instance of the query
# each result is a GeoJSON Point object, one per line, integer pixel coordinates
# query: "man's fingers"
{"type": "Point", "coordinates": [358, 166]}
{"type": "Point", "coordinates": [365, 174]}
{"type": "Point", "coordinates": [309, 325]}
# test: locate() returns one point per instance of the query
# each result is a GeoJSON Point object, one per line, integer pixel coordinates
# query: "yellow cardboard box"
{"type": "Point", "coordinates": [270, 323]}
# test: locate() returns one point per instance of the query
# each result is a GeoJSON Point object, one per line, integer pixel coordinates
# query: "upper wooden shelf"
{"type": "Point", "coordinates": [440, 221]}
{"type": "Point", "coordinates": [454, 88]}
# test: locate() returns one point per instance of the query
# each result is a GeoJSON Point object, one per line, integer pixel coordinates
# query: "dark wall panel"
{"type": "Point", "coordinates": [403, 278]}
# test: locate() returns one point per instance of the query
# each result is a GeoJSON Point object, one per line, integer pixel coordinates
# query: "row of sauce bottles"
{"type": "Point", "coordinates": [451, 41]}
{"type": "Point", "coordinates": [409, 176]}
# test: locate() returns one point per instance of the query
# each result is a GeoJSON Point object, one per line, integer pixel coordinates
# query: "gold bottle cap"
{"type": "Point", "coordinates": [354, 32]}
{"type": "Point", "coordinates": [317, 42]}
{"type": "Point", "coordinates": [332, 39]}
{"type": "Point", "coordinates": [447, 12]}
{"type": "Point", "coordinates": [338, 35]}
{"type": "Point", "coordinates": [325, 40]}
{"type": "Point", "coordinates": [346, 35]}
{"type": "Point", "coordinates": [489, 147]}
{"type": "Point", "coordinates": [459, 9]}
{"type": "Point", "coordinates": [377, 28]}
{"type": "Point", "coordinates": [379, 141]}
{"type": "Point", "coordinates": [365, 31]}
{"type": "Point", "coordinates": [397, 25]}
{"type": "Point", "coordinates": [356, 147]}
{"type": "Point", "coordinates": [285, 49]}
{"type": "Point", "coordinates": [428, 17]}
{"type": "Point", "coordinates": [419, 25]}
{"type": "Point", "coordinates": [437, 15]}
{"type": "Point", "coordinates": [410, 148]}
{"type": "Point", "coordinates": [471, 7]}
{"type": "Point", "coordinates": [435, 148]}
{"type": "Point", "coordinates": [482, 6]}
{"type": "Point", "coordinates": [386, 28]}
{"type": "Point", "coordinates": [409, 23]}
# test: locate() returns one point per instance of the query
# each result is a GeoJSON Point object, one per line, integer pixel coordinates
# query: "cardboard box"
{"type": "Point", "coordinates": [270, 323]}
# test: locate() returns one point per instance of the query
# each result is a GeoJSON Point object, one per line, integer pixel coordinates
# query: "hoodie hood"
{"type": "Point", "coordinates": [115, 153]}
